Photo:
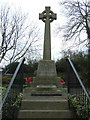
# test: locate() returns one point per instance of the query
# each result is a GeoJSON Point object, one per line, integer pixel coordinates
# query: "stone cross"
{"type": "Point", "coordinates": [47, 16]}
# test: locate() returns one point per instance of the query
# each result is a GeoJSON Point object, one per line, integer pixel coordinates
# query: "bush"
{"type": "Point", "coordinates": [81, 108]}
{"type": "Point", "coordinates": [11, 105]}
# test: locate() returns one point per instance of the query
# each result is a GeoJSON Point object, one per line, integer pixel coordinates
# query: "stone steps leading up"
{"type": "Point", "coordinates": [45, 106]}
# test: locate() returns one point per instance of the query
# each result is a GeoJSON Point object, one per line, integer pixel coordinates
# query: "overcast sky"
{"type": "Point", "coordinates": [33, 8]}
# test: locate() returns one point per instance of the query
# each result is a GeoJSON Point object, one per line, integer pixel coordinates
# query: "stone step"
{"type": "Point", "coordinates": [28, 96]}
{"type": "Point", "coordinates": [28, 89]}
{"type": "Point", "coordinates": [44, 104]}
{"type": "Point", "coordinates": [28, 92]}
{"type": "Point", "coordinates": [46, 93]}
{"type": "Point", "coordinates": [46, 86]}
{"type": "Point", "coordinates": [45, 114]}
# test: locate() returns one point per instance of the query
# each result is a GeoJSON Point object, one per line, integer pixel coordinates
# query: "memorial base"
{"type": "Point", "coordinates": [46, 68]}
{"type": "Point", "coordinates": [45, 82]}
{"type": "Point", "coordinates": [46, 73]}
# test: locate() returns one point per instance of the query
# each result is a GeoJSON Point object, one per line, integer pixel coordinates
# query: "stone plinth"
{"type": "Point", "coordinates": [46, 68]}
{"type": "Point", "coordinates": [46, 73]}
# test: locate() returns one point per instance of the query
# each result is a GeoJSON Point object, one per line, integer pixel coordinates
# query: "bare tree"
{"type": "Point", "coordinates": [16, 36]}
{"type": "Point", "coordinates": [78, 25]}
{"type": "Point", "coordinates": [78, 21]}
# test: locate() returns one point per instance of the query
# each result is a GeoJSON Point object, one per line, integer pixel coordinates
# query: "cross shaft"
{"type": "Point", "coordinates": [47, 16]}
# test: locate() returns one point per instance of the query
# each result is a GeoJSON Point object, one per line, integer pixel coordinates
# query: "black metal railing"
{"type": "Point", "coordinates": [79, 98]}
{"type": "Point", "coordinates": [13, 94]}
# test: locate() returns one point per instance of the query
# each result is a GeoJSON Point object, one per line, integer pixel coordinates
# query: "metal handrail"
{"type": "Point", "coordinates": [75, 72]}
{"type": "Point", "coordinates": [11, 82]}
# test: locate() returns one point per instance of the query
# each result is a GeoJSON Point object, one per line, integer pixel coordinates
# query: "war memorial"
{"type": "Point", "coordinates": [46, 97]}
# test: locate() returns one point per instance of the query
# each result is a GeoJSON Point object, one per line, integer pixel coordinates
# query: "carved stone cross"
{"type": "Point", "coordinates": [47, 16]}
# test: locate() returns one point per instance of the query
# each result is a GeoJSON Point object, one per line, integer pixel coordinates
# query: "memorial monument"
{"type": "Point", "coordinates": [45, 98]}
{"type": "Point", "coordinates": [46, 71]}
